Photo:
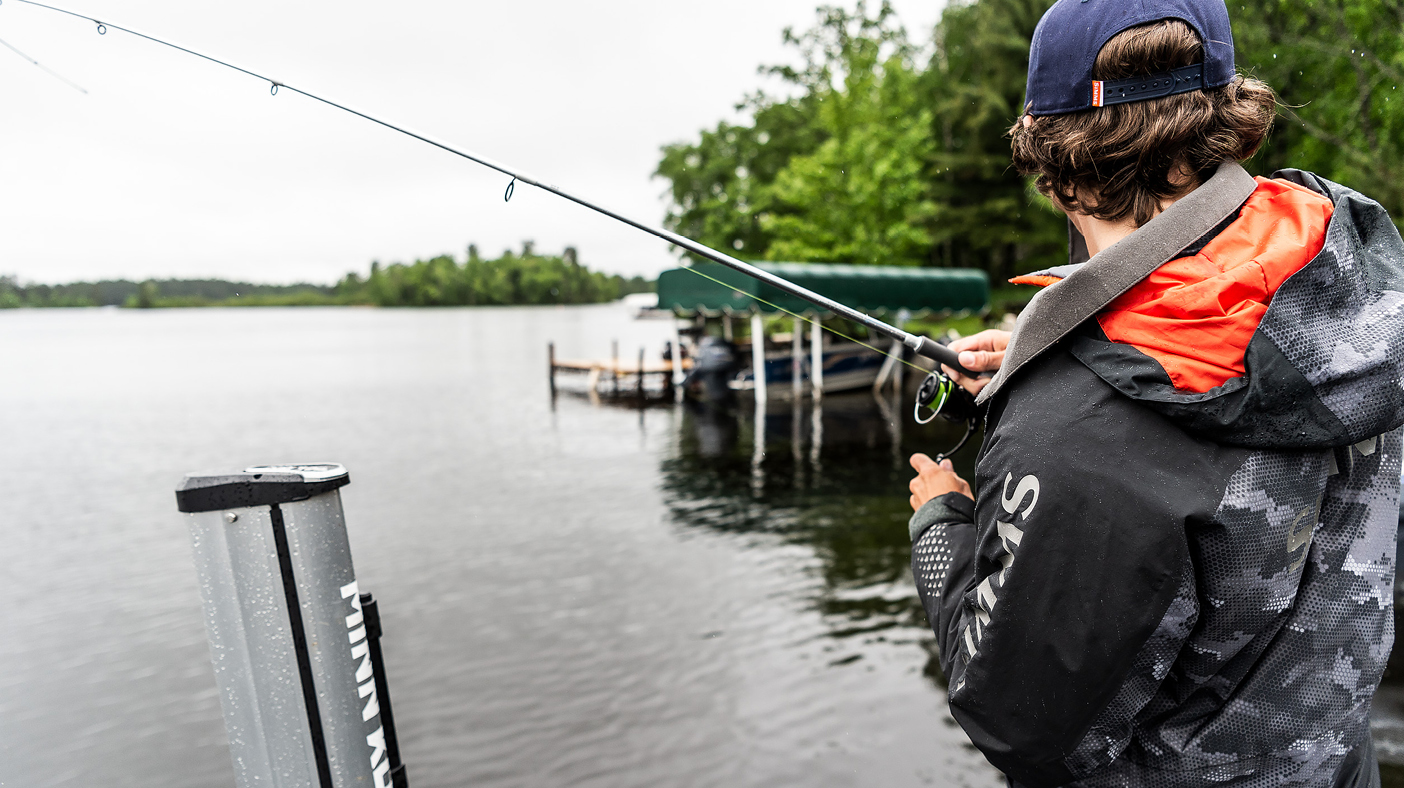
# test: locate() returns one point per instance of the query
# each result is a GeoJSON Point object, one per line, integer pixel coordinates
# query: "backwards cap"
{"type": "Point", "coordinates": [1068, 38]}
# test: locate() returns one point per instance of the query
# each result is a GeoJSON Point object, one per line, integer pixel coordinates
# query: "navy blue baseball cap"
{"type": "Point", "coordinates": [1068, 38]}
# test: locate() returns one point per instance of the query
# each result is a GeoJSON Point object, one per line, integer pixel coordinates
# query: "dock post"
{"type": "Point", "coordinates": [641, 376]}
{"type": "Point", "coordinates": [902, 317]}
{"type": "Point", "coordinates": [758, 366]}
{"type": "Point", "coordinates": [758, 356]}
{"type": "Point", "coordinates": [295, 644]}
{"type": "Point", "coordinates": [614, 367]}
{"type": "Point", "coordinates": [758, 452]}
{"type": "Point", "coordinates": [797, 359]}
{"type": "Point", "coordinates": [816, 364]}
{"type": "Point", "coordinates": [551, 362]}
{"type": "Point", "coordinates": [677, 362]}
{"type": "Point", "coordinates": [888, 362]}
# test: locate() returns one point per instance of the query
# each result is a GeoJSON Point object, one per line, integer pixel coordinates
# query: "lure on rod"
{"type": "Point", "coordinates": [939, 394]}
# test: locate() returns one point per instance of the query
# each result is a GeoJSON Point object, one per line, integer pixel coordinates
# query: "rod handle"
{"type": "Point", "coordinates": [941, 354]}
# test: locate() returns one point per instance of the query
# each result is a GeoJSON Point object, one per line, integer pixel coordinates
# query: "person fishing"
{"type": "Point", "coordinates": [1175, 564]}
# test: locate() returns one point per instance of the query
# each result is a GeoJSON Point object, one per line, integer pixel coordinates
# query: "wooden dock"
{"type": "Point", "coordinates": [615, 378]}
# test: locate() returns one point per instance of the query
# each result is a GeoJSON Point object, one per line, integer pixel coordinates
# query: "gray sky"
{"type": "Point", "coordinates": [175, 167]}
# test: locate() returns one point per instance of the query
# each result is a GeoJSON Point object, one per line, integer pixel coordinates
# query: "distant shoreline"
{"type": "Point", "coordinates": [514, 279]}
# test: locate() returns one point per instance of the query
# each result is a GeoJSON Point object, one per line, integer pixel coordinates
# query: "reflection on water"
{"type": "Point", "coordinates": [830, 477]}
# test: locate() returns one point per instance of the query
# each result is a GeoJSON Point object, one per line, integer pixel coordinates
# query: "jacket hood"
{"type": "Point", "coordinates": [1283, 327]}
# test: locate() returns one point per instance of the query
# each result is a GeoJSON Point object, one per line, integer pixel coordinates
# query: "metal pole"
{"type": "Point", "coordinates": [287, 629]}
{"type": "Point", "coordinates": [902, 317]}
{"type": "Point", "coordinates": [797, 441]}
{"type": "Point", "coordinates": [816, 361]}
{"type": "Point", "coordinates": [797, 359]}
{"type": "Point", "coordinates": [758, 357]}
{"type": "Point", "coordinates": [614, 367]}
{"type": "Point", "coordinates": [758, 453]}
{"type": "Point", "coordinates": [677, 357]}
{"type": "Point", "coordinates": [888, 363]}
{"type": "Point", "coordinates": [551, 362]}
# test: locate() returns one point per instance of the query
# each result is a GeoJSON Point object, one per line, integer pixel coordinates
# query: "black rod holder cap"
{"type": "Point", "coordinates": [263, 485]}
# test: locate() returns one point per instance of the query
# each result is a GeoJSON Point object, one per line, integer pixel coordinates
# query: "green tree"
{"type": "Point", "coordinates": [514, 278]}
{"type": "Point", "coordinates": [9, 293]}
{"type": "Point", "coordinates": [987, 215]}
{"type": "Point", "coordinates": [881, 157]}
{"type": "Point", "coordinates": [147, 295]}
{"type": "Point", "coordinates": [719, 183]}
{"type": "Point", "coordinates": [1338, 66]}
{"type": "Point", "coordinates": [861, 196]}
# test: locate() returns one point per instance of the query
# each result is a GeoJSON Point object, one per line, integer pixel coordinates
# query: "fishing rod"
{"type": "Point", "coordinates": [939, 393]}
{"type": "Point", "coordinates": [43, 67]}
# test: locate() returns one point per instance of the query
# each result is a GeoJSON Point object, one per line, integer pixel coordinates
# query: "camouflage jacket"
{"type": "Point", "coordinates": [1178, 568]}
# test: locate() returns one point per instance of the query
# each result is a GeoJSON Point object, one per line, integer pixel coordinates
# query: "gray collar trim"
{"type": "Point", "coordinates": [1061, 307]}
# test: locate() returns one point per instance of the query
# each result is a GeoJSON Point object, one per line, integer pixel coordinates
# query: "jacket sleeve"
{"type": "Point", "coordinates": [943, 553]}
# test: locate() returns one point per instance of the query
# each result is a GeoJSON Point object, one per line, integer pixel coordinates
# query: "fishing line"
{"type": "Point", "coordinates": [46, 69]}
{"type": "Point", "coordinates": [921, 344]}
{"type": "Point", "coordinates": [821, 326]}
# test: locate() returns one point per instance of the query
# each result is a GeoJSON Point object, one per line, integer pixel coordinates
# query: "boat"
{"type": "Point", "coordinates": [706, 300]}
{"type": "Point", "coordinates": [848, 366]}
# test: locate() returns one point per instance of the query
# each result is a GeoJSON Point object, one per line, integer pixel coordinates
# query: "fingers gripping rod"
{"type": "Point", "coordinates": [919, 344]}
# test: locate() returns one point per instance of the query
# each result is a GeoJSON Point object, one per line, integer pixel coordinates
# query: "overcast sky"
{"type": "Point", "coordinates": [173, 167]}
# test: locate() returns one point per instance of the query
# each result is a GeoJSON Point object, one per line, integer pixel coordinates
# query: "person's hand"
{"type": "Point", "coordinates": [934, 479]}
{"type": "Point", "coordinates": [982, 352]}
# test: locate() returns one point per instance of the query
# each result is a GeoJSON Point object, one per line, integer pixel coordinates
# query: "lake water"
{"type": "Point", "coordinates": [573, 594]}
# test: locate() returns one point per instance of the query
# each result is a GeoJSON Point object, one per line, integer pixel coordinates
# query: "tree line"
{"type": "Point", "coordinates": [887, 151]}
{"type": "Point", "coordinates": [154, 292]}
{"type": "Point", "coordinates": [512, 279]}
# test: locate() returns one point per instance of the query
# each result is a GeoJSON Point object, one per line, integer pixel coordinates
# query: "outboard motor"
{"type": "Point", "coordinates": [712, 367]}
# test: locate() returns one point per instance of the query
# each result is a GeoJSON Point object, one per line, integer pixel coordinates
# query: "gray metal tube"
{"type": "Point", "coordinates": [287, 633]}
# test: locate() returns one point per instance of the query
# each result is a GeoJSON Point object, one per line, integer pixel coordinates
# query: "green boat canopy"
{"type": "Point", "coordinates": [870, 288]}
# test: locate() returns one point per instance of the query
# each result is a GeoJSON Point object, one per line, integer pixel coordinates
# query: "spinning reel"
{"type": "Point", "coordinates": [941, 396]}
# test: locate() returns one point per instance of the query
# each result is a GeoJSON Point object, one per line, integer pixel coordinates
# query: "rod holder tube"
{"type": "Point", "coordinates": [304, 703]}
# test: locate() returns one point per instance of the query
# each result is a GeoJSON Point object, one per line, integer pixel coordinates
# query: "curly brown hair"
{"type": "Point", "coordinates": [1125, 160]}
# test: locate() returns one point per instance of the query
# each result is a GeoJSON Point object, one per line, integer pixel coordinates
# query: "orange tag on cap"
{"type": "Point", "coordinates": [1096, 93]}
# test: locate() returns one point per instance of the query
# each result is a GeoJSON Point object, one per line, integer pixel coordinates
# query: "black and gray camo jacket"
{"type": "Point", "coordinates": [1155, 588]}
